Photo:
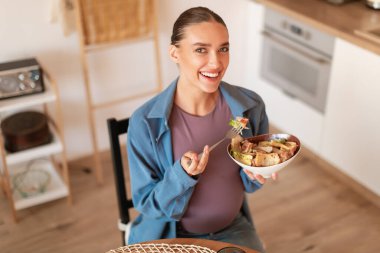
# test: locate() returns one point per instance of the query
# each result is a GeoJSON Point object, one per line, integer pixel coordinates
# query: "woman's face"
{"type": "Point", "coordinates": [202, 55]}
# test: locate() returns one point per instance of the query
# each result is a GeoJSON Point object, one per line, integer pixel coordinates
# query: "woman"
{"type": "Point", "coordinates": [178, 193]}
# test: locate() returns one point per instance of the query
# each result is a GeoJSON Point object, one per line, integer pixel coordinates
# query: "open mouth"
{"type": "Point", "coordinates": [210, 74]}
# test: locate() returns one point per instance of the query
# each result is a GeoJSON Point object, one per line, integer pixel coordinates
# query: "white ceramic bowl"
{"type": "Point", "coordinates": [267, 171]}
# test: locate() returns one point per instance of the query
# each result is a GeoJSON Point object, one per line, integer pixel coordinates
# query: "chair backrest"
{"type": "Point", "coordinates": [115, 129]}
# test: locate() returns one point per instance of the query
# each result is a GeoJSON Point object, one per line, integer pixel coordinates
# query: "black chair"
{"type": "Point", "coordinates": [115, 129]}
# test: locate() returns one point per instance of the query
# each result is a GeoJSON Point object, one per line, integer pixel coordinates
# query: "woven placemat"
{"type": "Point", "coordinates": [162, 248]}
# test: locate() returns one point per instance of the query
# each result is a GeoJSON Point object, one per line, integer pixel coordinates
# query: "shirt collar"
{"type": "Point", "coordinates": [238, 101]}
{"type": "Point", "coordinates": [164, 102]}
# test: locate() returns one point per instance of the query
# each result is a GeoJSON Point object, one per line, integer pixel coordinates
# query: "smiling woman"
{"type": "Point", "coordinates": [203, 58]}
{"type": "Point", "coordinates": [177, 192]}
{"type": "Point", "coordinates": [201, 50]}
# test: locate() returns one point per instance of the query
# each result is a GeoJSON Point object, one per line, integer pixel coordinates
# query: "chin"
{"type": "Point", "coordinates": [210, 88]}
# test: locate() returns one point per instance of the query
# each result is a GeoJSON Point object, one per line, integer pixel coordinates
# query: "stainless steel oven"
{"type": "Point", "coordinates": [297, 58]}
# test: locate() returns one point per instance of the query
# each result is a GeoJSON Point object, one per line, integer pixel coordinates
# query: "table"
{"type": "Point", "coordinates": [191, 245]}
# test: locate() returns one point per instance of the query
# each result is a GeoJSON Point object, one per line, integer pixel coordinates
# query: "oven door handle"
{"type": "Point", "coordinates": [307, 55]}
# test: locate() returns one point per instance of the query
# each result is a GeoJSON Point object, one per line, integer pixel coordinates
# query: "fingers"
{"type": "Point", "coordinates": [204, 159]}
{"type": "Point", "coordinates": [193, 163]}
{"type": "Point", "coordinates": [249, 174]}
{"type": "Point", "coordinates": [258, 177]}
{"type": "Point", "coordinates": [189, 162]}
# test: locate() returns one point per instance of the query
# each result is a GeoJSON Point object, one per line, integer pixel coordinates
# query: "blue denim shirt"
{"type": "Point", "coordinates": [161, 189]}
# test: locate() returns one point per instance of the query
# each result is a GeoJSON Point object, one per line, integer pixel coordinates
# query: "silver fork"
{"type": "Point", "coordinates": [232, 133]}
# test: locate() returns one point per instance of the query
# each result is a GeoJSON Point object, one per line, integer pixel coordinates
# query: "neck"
{"type": "Point", "coordinates": [195, 101]}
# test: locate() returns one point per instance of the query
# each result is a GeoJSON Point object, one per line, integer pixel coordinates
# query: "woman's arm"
{"type": "Point", "coordinates": [157, 191]}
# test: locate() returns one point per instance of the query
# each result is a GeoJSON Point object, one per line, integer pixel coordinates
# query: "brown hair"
{"type": "Point", "coordinates": [192, 16]}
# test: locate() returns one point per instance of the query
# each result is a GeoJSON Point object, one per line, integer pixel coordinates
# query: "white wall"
{"type": "Point", "coordinates": [25, 31]}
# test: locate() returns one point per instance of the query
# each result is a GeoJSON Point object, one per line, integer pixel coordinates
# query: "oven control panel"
{"type": "Point", "coordinates": [298, 31]}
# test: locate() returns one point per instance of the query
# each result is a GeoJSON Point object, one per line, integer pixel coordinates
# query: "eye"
{"type": "Point", "coordinates": [201, 50]}
{"type": "Point", "coordinates": [224, 49]}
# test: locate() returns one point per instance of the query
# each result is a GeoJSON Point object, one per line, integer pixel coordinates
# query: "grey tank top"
{"type": "Point", "coordinates": [219, 193]}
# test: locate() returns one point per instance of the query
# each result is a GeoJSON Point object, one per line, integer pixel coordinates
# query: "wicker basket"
{"type": "Point", "coordinates": [162, 248]}
{"type": "Point", "coordinates": [108, 21]}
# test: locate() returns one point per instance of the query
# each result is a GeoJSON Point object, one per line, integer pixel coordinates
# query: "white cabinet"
{"type": "Point", "coordinates": [347, 134]}
{"type": "Point", "coordinates": [292, 116]}
{"type": "Point", "coordinates": [50, 164]}
{"type": "Point", "coordinates": [285, 112]}
{"type": "Point", "coordinates": [351, 139]}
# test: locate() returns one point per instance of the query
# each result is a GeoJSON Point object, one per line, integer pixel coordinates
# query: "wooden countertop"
{"type": "Point", "coordinates": [350, 21]}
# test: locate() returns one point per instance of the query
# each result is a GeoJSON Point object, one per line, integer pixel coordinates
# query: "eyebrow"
{"type": "Point", "coordinates": [209, 45]}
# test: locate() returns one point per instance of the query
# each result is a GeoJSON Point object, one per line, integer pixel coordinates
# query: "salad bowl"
{"type": "Point", "coordinates": [266, 171]}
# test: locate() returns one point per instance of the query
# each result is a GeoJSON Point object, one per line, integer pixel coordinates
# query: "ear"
{"type": "Point", "coordinates": [173, 53]}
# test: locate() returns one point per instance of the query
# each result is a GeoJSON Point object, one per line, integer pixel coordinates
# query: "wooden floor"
{"type": "Point", "coordinates": [307, 210]}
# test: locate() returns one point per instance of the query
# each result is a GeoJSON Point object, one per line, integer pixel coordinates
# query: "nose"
{"type": "Point", "coordinates": [214, 60]}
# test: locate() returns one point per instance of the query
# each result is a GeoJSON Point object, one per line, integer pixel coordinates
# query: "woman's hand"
{"type": "Point", "coordinates": [193, 164]}
{"type": "Point", "coordinates": [259, 178]}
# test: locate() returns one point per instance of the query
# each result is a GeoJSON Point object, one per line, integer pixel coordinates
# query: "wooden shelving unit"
{"type": "Point", "coordinates": [103, 25]}
{"type": "Point", "coordinates": [13, 163]}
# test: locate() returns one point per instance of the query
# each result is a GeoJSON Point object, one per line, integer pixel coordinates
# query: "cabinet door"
{"type": "Point", "coordinates": [351, 139]}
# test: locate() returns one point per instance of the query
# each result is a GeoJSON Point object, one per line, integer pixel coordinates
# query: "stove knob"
{"type": "Point", "coordinates": [32, 85]}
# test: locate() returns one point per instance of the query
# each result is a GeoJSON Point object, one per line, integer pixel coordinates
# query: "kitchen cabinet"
{"type": "Point", "coordinates": [346, 134]}
{"type": "Point", "coordinates": [351, 138]}
{"type": "Point", "coordinates": [292, 116]}
{"type": "Point", "coordinates": [45, 157]}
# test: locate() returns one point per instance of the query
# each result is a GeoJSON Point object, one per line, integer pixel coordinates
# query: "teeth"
{"type": "Point", "coordinates": [208, 74]}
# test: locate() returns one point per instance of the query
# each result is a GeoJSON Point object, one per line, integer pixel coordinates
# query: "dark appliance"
{"type": "Point", "coordinates": [19, 78]}
{"type": "Point", "coordinates": [25, 130]}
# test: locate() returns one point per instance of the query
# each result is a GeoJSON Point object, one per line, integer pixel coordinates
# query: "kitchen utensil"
{"type": "Point", "coordinates": [232, 133]}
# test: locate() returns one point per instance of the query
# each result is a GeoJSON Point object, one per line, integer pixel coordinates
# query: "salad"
{"type": "Point", "coordinates": [263, 153]}
{"type": "Point", "coordinates": [239, 122]}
